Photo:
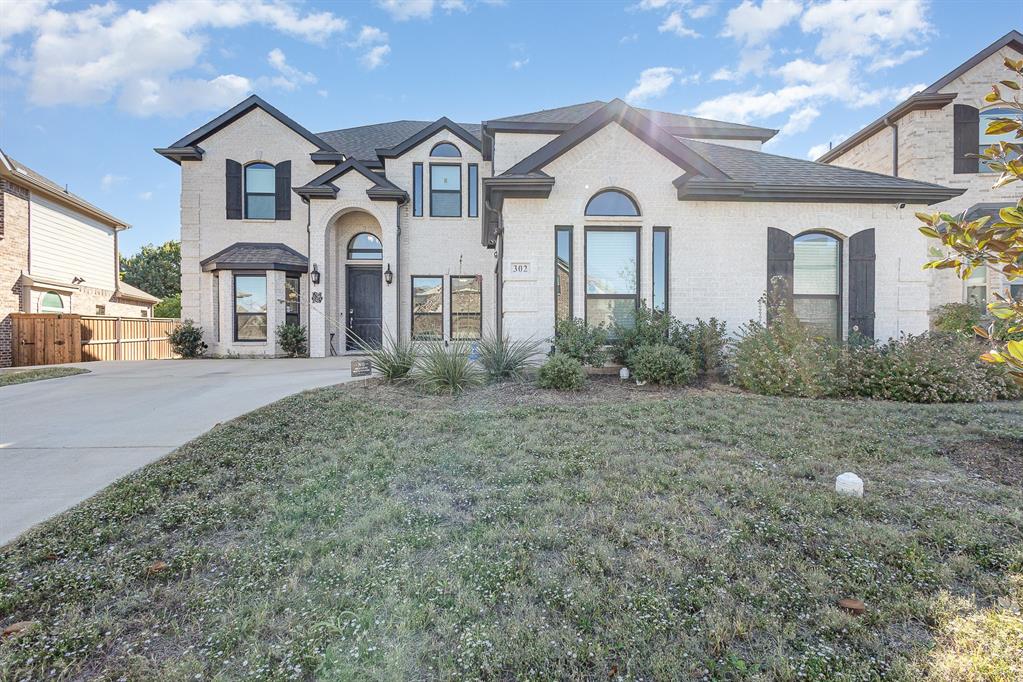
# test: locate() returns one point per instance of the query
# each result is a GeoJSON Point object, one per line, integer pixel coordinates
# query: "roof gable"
{"type": "Point", "coordinates": [362, 142]}
{"type": "Point", "coordinates": [322, 185]}
{"type": "Point", "coordinates": [1012, 39]}
{"type": "Point", "coordinates": [633, 121]}
{"type": "Point", "coordinates": [443, 123]}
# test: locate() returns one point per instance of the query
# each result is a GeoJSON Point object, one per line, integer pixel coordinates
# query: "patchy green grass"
{"type": "Point", "coordinates": [373, 533]}
{"type": "Point", "coordinates": [23, 376]}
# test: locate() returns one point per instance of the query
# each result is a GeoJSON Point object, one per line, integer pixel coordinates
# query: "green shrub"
{"type": "Point", "coordinates": [651, 327]}
{"type": "Point", "coordinates": [562, 372]}
{"type": "Point", "coordinates": [186, 340]}
{"type": "Point", "coordinates": [661, 364]}
{"type": "Point", "coordinates": [393, 360]}
{"type": "Point", "coordinates": [957, 318]}
{"type": "Point", "coordinates": [168, 307]}
{"type": "Point", "coordinates": [447, 369]}
{"type": "Point", "coordinates": [504, 358]}
{"type": "Point", "coordinates": [578, 340]}
{"type": "Point", "coordinates": [705, 342]}
{"type": "Point", "coordinates": [292, 339]}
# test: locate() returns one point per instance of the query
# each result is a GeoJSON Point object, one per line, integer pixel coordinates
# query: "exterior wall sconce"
{"type": "Point", "coordinates": [388, 275]}
{"type": "Point", "coordinates": [315, 275]}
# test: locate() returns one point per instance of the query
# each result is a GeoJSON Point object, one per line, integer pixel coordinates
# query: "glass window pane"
{"type": "Point", "coordinates": [427, 327]}
{"type": "Point", "coordinates": [51, 302]}
{"type": "Point", "coordinates": [465, 327]}
{"type": "Point", "coordinates": [417, 189]}
{"type": "Point", "coordinates": [445, 149]}
{"type": "Point", "coordinates": [446, 177]}
{"type": "Point", "coordinates": [365, 246]}
{"type": "Point", "coordinates": [563, 274]}
{"type": "Point", "coordinates": [259, 178]}
{"type": "Point", "coordinates": [250, 293]}
{"type": "Point", "coordinates": [815, 270]}
{"type": "Point", "coordinates": [473, 191]}
{"type": "Point", "coordinates": [291, 296]}
{"type": "Point", "coordinates": [611, 310]}
{"type": "Point", "coordinates": [612, 203]}
{"type": "Point", "coordinates": [976, 295]}
{"type": "Point", "coordinates": [251, 327]}
{"type": "Point", "coordinates": [610, 262]}
{"type": "Point", "coordinates": [465, 295]}
{"type": "Point", "coordinates": [1016, 291]}
{"type": "Point", "coordinates": [427, 294]}
{"type": "Point", "coordinates": [445, 204]}
{"type": "Point", "coordinates": [820, 314]}
{"type": "Point", "coordinates": [660, 270]}
{"type": "Point", "coordinates": [260, 206]}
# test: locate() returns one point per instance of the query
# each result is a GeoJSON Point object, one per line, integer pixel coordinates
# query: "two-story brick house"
{"type": "Point", "coordinates": [58, 254]}
{"type": "Point", "coordinates": [928, 137]}
{"type": "Point", "coordinates": [443, 230]}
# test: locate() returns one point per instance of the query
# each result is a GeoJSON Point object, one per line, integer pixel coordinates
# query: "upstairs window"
{"type": "Point", "coordinates": [260, 192]}
{"type": "Point", "coordinates": [365, 246]}
{"type": "Point", "coordinates": [446, 149]}
{"type": "Point", "coordinates": [611, 202]}
{"type": "Point", "coordinates": [986, 140]}
{"type": "Point", "coordinates": [417, 189]}
{"type": "Point", "coordinates": [445, 190]}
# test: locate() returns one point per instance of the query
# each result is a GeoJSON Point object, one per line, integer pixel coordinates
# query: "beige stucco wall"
{"type": "Point", "coordinates": [718, 261]}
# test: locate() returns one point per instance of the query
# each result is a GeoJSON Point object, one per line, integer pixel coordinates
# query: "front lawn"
{"type": "Point", "coordinates": [376, 534]}
{"type": "Point", "coordinates": [23, 376]}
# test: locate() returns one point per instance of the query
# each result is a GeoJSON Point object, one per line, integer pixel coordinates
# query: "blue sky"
{"type": "Point", "coordinates": [88, 90]}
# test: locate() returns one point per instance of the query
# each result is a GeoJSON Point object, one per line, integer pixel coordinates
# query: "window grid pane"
{"type": "Point", "coordinates": [445, 204]}
{"type": "Point", "coordinates": [660, 270]}
{"type": "Point", "coordinates": [611, 262]}
{"type": "Point", "coordinates": [428, 308]}
{"type": "Point", "coordinates": [612, 203]}
{"type": "Point", "coordinates": [250, 307]}
{"type": "Point", "coordinates": [260, 206]}
{"type": "Point", "coordinates": [417, 189]}
{"type": "Point", "coordinates": [816, 266]}
{"type": "Point", "coordinates": [562, 274]}
{"type": "Point", "coordinates": [473, 190]}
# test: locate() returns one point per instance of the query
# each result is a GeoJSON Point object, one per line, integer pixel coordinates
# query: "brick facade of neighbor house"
{"type": "Point", "coordinates": [926, 152]}
{"type": "Point", "coordinates": [13, 259]}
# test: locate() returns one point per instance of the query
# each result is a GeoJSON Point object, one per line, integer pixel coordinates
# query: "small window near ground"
{"type": "Point", "coordinates": [660, 269]}
{"type": "Point", "coordinates": [976, 287]}
{"type": "Point", "coordinates": [51, 302]}
{"type": "Point", "coordinates": [250, 308]}
{"type": "Point", "coordinates": [986, 140]}
{"type": "Point", "coordinates": [562, 273]}
{"type": "Point", "coordinates": [101, 310]}
{"type": "Point", "coordinates": [816, 282]}
{"type": "Point", "coordinates": [292, 300]}
{"type": "Point", "coordinates": [260, 192]}
{"type": "Point", "coordinates": [466, 308]}
{"type": "Point", "coordinates": [428, 308]}
{"type": "Point", "coordinates": [445, 149]}
{"type": "Point", "coordinates": [445, 190]}
{"type": "Point", "coordinates": [611, 202]}
{"type": "Point", "coordinates": [365, 246]}
{"type": "Point", "coordinates": [612, 277]}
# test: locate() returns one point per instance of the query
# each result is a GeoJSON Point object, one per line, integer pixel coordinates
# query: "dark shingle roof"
{"type": "Point", "coordinates": [575, 113]}
{"type": "Point", "coordinates": [256, 256]}
{"type": "Point", "coordinates": [362, 142]}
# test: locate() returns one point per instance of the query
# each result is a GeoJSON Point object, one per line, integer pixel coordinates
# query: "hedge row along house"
{"type": "Point", "coordinates": [445, 231]}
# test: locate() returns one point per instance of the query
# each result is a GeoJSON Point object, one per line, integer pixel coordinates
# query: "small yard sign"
{"type": "Point", "coordinates": [361, 368]}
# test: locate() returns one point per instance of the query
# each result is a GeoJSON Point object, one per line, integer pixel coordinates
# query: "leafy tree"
{"type": "Point", "coordinates": [168, 307]}
{"type": "Point", "coordinates": [997, 244]}
{"type": "Point", "coordinates": [154, 269]}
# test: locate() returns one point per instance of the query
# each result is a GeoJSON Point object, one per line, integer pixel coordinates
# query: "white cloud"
{"type": "Point", "coordinates": [863, 27]}
{"type": "Point", "coordinates": [674, 23]}
{"type": "Point", "coordinates": [815, 152]}
{"type": "Point", "coordinates": [369, 35]}
{"type": "Point", "coordinates": [798, 122]}
{"type": "Point", "coordinates": [375, 57]}
{"type": "Point", "coordinates": [723, 74]}
{"type": "Point", "coordinates": [702, 11]}
{"type": "Point", "coordinates": [655, 81]}
{"type": "Point", "coordinates": [322, 93]}
{"type": "Point", "coordinates": [630, 38]}
{"type": "Point", "coordinates": [888, 61]}
{"type": "Point", "coordinates": [403, 10]}
{"type": "Point", "coordinates": [108, 181]}
{"type": "Point", "coordinates": [140, 58]}
{"type": "Point", "coordinates": [19, 17]}
{"type": "Point", "coordinates": [517, 64]}
{"type": "Point", "coordinates": [753, 24]}
{"type": "Point", "coordinates": [904, 92]}
{"type": "Point", "coordinates": [145, 196]}
{"type": "Point", "coordinates": [290, 77]}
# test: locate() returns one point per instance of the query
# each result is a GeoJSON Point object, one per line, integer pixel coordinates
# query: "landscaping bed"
{"type": "Point", "coordinates": [615, 532]}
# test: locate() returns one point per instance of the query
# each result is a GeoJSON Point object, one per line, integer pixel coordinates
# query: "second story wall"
{"type": "Point", "coordinates": [510, 148]}
{"type": "Point", "coordinates": [66, 244]}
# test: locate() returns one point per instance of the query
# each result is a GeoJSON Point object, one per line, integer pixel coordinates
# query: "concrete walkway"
{"type": "Point", "coordinates": [63, 440]}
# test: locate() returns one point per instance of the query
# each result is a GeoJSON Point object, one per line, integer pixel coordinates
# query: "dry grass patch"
{"type": "Point", "coordinates": [24, 376]}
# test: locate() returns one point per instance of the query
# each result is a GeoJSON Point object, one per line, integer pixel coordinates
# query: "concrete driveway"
{"type": "Point", "coordinates": [63, 440]}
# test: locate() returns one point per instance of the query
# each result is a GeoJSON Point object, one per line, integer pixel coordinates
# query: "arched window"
{"type": "Point", "coordinates": [986, 140]}
{"type": "Point", "coordinates": [51, 302]}
{"type": "Point", "coordinates": [611, 202]}
{"type": "Point", "coordinates": [445, 149]}
{"type": "Point", "coordinates": [260, 192]}
{"type": "Point", "coordinates": [365, 246]}
{"type": "Point", "coordinates": [817, 282]}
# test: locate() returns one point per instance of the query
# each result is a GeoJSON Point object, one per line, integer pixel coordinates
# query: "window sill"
{"type": "Point", "coordinates": [259, 220]}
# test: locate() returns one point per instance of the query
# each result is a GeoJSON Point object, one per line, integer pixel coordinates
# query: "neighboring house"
{"type": "Point", "coordinates": [928, 137]}
{"type": "Point", "coordinates": [444, 230]}
{"type": "Point", "coordinates": [58, 254]}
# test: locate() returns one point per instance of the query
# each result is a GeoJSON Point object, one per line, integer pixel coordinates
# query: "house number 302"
{"type": "Point", "coordinates": [520, 268]}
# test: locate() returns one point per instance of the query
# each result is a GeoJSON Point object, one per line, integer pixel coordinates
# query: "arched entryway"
{"type": "Point", "coordinates": [357, 255]}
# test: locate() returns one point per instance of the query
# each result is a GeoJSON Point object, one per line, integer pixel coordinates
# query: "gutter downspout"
{"type": "Point", "coordinates": [499, 268]}
{"type": "Point", "coordinates": [309, 262]}
{"type": "Point", "coordinates": [397, 267]}
{"type": "Point", "coordinates": [895, 145]}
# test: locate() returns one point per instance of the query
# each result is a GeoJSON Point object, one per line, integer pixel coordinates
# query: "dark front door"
{"type": "Point", "coordinates": [364, 306]}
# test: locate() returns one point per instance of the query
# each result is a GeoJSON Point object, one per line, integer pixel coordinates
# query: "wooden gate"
{"type": "Point", "coordinates": [50, 339]}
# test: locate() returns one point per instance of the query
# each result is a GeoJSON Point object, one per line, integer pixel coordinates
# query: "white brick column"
{"type": "Point", "coordinates": [317, 297]}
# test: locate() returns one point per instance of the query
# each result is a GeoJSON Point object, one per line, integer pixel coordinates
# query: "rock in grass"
{"type": "Point", "coordinates": [849, 484]}
{"type": "Point", "coordinates": [15, 629]}
{"type": "Point", "coordinates": [853, 606]}
{"type": "Point", "coordinates": [157, 567]}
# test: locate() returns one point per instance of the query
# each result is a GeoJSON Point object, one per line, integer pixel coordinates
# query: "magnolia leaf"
{"type": "Point", "coordinates": [994, 357]}
{"type": "Point", "coordinates": [981, 332]}
{"type": "Point", "coordinates": [1002, 125]}
{"type": "Point", "coordinates": [993, 97]}
{"type": "Point", "coordinates": [1010, 84]}
{"type": "Point", "coordinates": [1011, 215]}
{"type": "Point", "coordinates": [926, 218]}
{"type": "Point", "coordinates": [1015, 349]}
{"type": "Point", "coordinates": [930, 232]}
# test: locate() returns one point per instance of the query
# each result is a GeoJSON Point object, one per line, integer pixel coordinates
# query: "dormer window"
{"type": "Point", "coordinates": [446, 150]}
{"type": "Point", "coordinates": [260, 192]}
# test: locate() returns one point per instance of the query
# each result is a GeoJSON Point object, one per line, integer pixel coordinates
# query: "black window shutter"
{"type": "Point", "coordinates": [283, 187]}
{"type": "Point", "coordinates": [861, 283]}
{"type": "Point", "coordinates": [234, 190]}
{"type": "Point", "coordinates": [780, 256]}
{"type": "Point", "coordinates": [965, 138]}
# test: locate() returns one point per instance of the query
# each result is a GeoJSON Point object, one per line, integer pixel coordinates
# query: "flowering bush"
{"type": "Point", "coordinates": [661, 364]}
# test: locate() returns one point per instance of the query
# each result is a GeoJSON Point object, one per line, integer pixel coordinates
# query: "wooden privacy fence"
{"type": "Point", "coordinates": [51, 339]}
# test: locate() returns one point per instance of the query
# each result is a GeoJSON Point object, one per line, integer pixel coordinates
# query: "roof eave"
{"type": "Point", "coordinates": [327, 157]}
{"type": "Point", "coordinates": [387, 194]}
{"type": "Point", "coordinates": [326, 191]}
{"type": "Point", "coordinates": [701, 190]}
{"type": "Point", "coordinates": [443, 123]}
{"type": "Point", "coordinates": [179, 154]}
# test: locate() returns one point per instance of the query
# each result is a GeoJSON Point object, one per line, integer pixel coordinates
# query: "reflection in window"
{"type": "Point", "coordinates": [417, 189]}
{"type": "Point", "coordinates": [613, 203]}
{"type": "Point", "coordinates": [612, 276]}
{"type": "Point", "coordinates": [51, 302]}
{"type": "Point", "coordinates": [816, 283]}
{"type": "Point", "coordinates": [466, 308]}
{"type": "Point", "coordinates": [365, 246]}
{"type": "Point", "coordinates": [562, 274]}
{"type": "Point", "coordinates": [445, 149]}
{"type": "Point", "coordinates": [428, 308]}
{"type": "Point", "coordinates": [976, 287]}
{"type": "Point", "coordinates": [986, 140]}
{"type": "Point", "coordinates": [445, 190]}
{"type": "Point", "coordinates": [474, 190]}
{"type": "Point", "coordinates": [292, 300]}
{"type": "Point", "coordinates": [250, 308]}
{"type": "Point", "coordinates": [260, 196]}
{"type": "Point", "coordinates": [660, 269]}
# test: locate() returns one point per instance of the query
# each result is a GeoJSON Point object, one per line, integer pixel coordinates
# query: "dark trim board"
{"type": "Point", "coordinates": [667, 267]}
{"type": "Point", "coordinates": [426, 133]}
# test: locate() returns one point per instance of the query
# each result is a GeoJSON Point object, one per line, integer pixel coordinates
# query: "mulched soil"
{"type": "Point", "coordinates": [997, 459]}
